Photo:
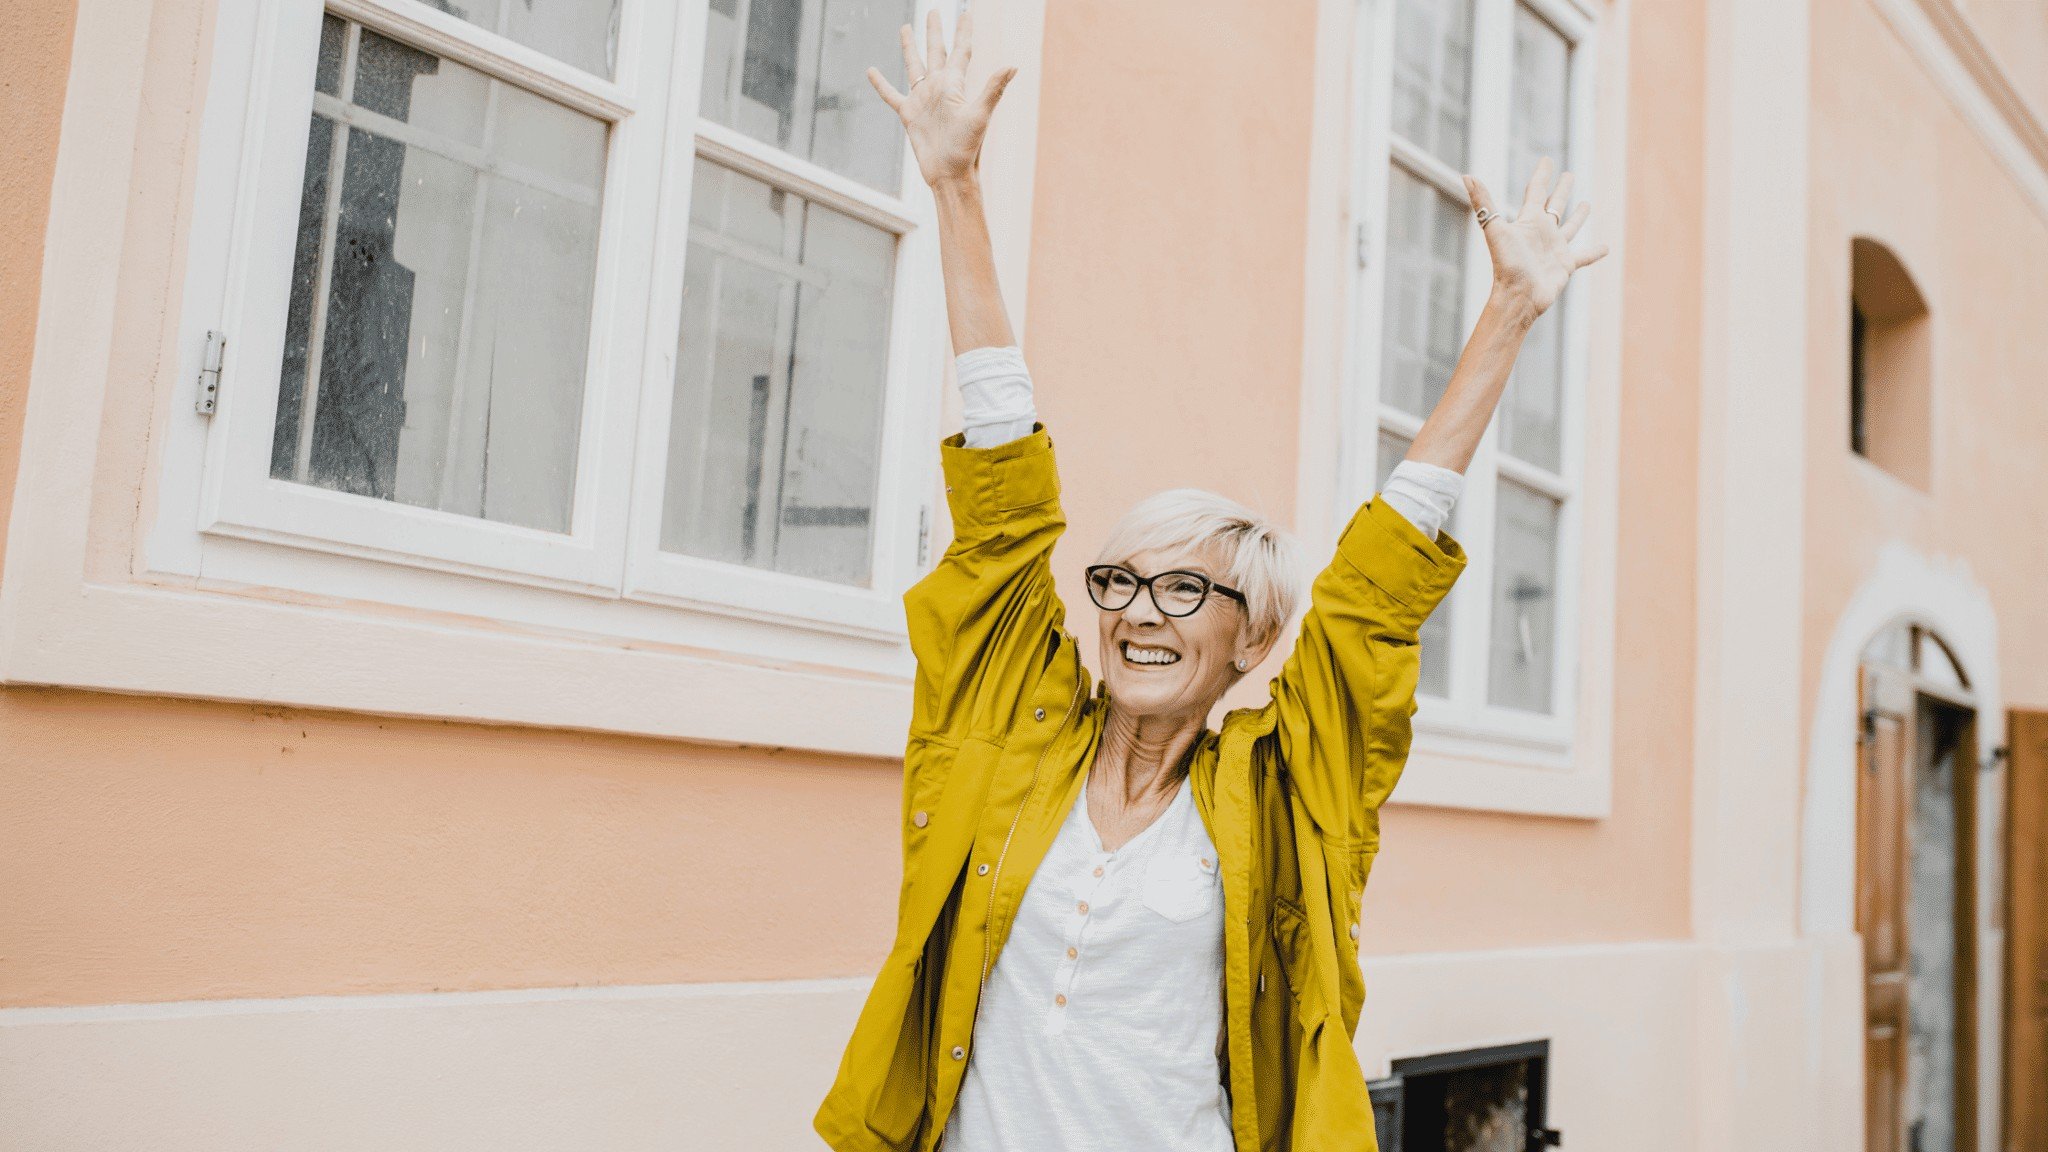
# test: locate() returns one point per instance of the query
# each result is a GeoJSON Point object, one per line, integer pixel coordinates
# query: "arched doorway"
{"type": "Point", "coordinates": [1943, 599]}
{"type": "Point", "coordinates": [1917, 800]}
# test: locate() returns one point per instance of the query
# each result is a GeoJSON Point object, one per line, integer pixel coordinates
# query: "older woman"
{"type": "Point", "coordinates": [1119, 929]}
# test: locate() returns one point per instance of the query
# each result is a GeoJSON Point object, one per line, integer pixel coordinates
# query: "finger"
{"type": "Point", "coordinates": [963, 43]}
{"type": "Point", "coordinates": [934, 42]}
{"type": "Point", "coordinates": [1482, 200]}
{"type": "Point", "coordinates": [1584, 256]}
{"type": "Point", "coordinates": [1560, 197]}
{"type": "Point", "coordinates": [886, 90]}
{"type": "Point", "coordinates": [1576, 220]}
{"type": "Point", "coordinates": [912, 66]}
{"type": "Point", "coordinates": [994, 91]}
{"type": "Point", "coordinates": [1539, 187]}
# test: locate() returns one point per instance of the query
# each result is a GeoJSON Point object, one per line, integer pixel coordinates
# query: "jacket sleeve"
{"type": "Point", "coordinates": [1345, 695]}
{"type": "Point", "coordinates": [986, 622]}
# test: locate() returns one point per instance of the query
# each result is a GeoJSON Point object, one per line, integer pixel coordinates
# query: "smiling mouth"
{"type": "Point", "coordinates": [1147, 656]}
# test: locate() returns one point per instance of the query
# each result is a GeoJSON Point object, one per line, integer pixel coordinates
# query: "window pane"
{"type": "Point", "coordinates": [1425, 293]}
{"type": "Point", "coordinates": [583, 33]}
{"type": "Point", "coordinates": [1523, 649]}
{"type": "Point", "coordinates": [1533, 407]}
{"type": "Point", "coordinates": [1539, 123]}
{"type": "Point", "coordinates": [774, 442]}
{"type": "Point", "coordinates": [1436, 631]}
{"type": "Point", "coordinates": [440, 305]}
{"type": "Point", "coordinates": [1539, 126]}
{"type": "Point", "coordinates": [793, 73]}
{"type": "Point", "coordinates": [1433, 76]}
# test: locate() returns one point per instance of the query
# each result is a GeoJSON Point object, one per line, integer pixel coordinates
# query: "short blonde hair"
{"type": "Point", "coordinates": [1260, 558]}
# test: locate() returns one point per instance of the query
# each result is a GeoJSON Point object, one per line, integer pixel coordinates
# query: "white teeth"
{"type": "Point", "coordinates": [1137, 655]}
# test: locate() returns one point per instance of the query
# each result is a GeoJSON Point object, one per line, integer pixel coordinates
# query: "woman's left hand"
{"type": "Point", "coordinates": [1532, 253]}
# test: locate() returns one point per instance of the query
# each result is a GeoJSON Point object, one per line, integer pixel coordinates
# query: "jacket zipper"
{"type": "Point", "coordinates": [995, 882]}
{"type": "Point", "coordinates": [988, 927]}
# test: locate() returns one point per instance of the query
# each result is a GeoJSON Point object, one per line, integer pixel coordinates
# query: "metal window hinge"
{"type": "Point", "coordinates": [1545, 1138]}
{"type": "Point", "coordinates": [924, 534]}
{"type": "Point", "coordinates": [209, 373]}
{"type": "Point", "coordinates": [1364, 246]}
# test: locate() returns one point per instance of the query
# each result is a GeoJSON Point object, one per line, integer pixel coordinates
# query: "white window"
{"type": "Point", "coordinates": [1486, 87]}
{"type": "Point", "coordinates": [622, 298]}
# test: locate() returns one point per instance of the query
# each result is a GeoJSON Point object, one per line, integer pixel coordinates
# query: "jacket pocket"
{"type": "Point", "coordinates": [1296, 948]}
{"type": "Point", "coordinates": [896, 1108]}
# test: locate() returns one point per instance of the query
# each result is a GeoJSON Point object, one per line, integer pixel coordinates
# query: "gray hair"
{"type": "Point", "coordinates": [1261, 559]}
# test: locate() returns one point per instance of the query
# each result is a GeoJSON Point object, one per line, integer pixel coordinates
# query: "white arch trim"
{"type": "Point", "coordinates": [1942, 595]}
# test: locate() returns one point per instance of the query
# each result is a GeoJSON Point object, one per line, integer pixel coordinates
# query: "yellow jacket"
{"type": "Point", "coordinates": [1002, 730]}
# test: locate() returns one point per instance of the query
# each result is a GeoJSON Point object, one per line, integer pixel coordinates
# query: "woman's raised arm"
{"type": "Point", "coordinates": [1532, 260]}
{"type": "Point", "coordinates": [946, 127]}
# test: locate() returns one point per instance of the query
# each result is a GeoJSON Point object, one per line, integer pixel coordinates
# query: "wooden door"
{"type": "Point", "coordinates": [2026, 958]}
{"type": "Point", "coordinates": [1883, 756]}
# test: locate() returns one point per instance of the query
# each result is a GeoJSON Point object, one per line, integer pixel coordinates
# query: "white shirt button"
{"type": "Point", "coordinates": [981, 871]}
{"type": "Point", "coordinates": [920, 819]}
{"type": "Point", "coordinates": [1354, 931]}
{"type": "Point", "coordinates": [1039, 714]}
{"type": "Point", "coordinates": [959, 1053]}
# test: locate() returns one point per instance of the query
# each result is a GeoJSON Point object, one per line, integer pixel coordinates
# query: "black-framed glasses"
{"type": "Point", "coordinates": [1175, 593]}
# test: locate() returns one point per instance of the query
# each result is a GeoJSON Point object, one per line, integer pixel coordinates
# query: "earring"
{"type": "Point", "coordinates": [1241, 665]}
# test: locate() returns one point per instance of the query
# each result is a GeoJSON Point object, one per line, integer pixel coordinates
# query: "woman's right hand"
{"type": "Point", "coordinates": [945, 126]}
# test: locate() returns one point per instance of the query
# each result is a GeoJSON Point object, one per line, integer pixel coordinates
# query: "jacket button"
{"type": "Point", "coordinates": [981, 871]}
{"type": "Point", "coordinates": [920, 819]}
{"type": "Point", "coordinates": [1039, 715]}
{"type": "Point", "coordinates": [959, 1053]}
{"type": "Point", "coordinates": [1354, 931]}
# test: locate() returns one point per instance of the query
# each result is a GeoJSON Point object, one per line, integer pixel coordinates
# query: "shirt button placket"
{"type": "Point", "coordinates": [1086, 888]}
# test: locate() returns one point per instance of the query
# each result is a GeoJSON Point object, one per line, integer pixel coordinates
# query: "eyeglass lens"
{"type": "Point", "coordinates": [1176, 593]}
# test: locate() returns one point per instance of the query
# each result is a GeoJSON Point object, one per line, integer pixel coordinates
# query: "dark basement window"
{"type": "Point", "coordinates": [1480, 1100]}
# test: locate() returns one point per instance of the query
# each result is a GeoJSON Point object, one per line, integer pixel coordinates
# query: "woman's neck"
{"type": "Point", "coordinates": [1141, 757]}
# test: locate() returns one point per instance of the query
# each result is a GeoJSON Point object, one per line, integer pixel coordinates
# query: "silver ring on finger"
{"type": "Point", "coordinates": [1485, 216]}
{"type": "Point", "coordinates": [1554, 215]}
{"type": "Point", "coordinates": [919, 80]}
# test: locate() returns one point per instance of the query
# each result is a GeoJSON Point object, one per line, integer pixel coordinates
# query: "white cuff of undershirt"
{"type": "Point", "coordinates": [1424, 494]}
{"type": "Point", "coordinates": [995, 395]}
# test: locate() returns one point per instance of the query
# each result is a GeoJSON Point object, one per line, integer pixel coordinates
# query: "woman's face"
{"type": "Point", "coordinates": [1173, 666]}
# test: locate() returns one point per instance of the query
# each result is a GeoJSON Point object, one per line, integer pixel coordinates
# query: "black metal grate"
{"type": "Point", "coordinates": [1479, 1100]}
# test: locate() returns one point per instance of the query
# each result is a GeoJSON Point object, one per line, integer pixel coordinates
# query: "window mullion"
{"type": "Point", "coordinates": [1471, 620]}
{"type": "Point", "coordinates": [453, 38]}
{"type": "Point", "coordinates": [661, 363]}
{"type": "Point", "coordinates": [1359, 445]}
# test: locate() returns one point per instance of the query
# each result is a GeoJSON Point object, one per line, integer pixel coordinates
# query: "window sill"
{"type": "Point", "coordinates": [1506, 762]}
{"type": "Point", "coordinates": [255, 645]}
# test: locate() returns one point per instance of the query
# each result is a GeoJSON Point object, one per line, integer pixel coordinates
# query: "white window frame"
{"type": "Point", "coordinates": [1464, 723]}
{"type": "Point", "coordinates": [899, 533]}
{"type": "Point", "coordinates": [110, 584]}
{"type": "Point", "coordinates": [255, 530]}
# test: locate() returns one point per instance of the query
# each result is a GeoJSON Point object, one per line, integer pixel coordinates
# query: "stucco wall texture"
{"type": "Point", "coordinates": [157, 850]}
{"type": "Point", "coordinates": [35, 57]}
{"type": "Point", "coordinates": [1893, 160]}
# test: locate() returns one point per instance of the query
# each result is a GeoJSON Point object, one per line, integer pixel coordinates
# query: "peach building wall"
{"type": "Point", "coordinates": [1894, 160]}
{"type": "Point", "coordinates": [171, 851]}
{"type": "Point", "coordinates": [247, 852]}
